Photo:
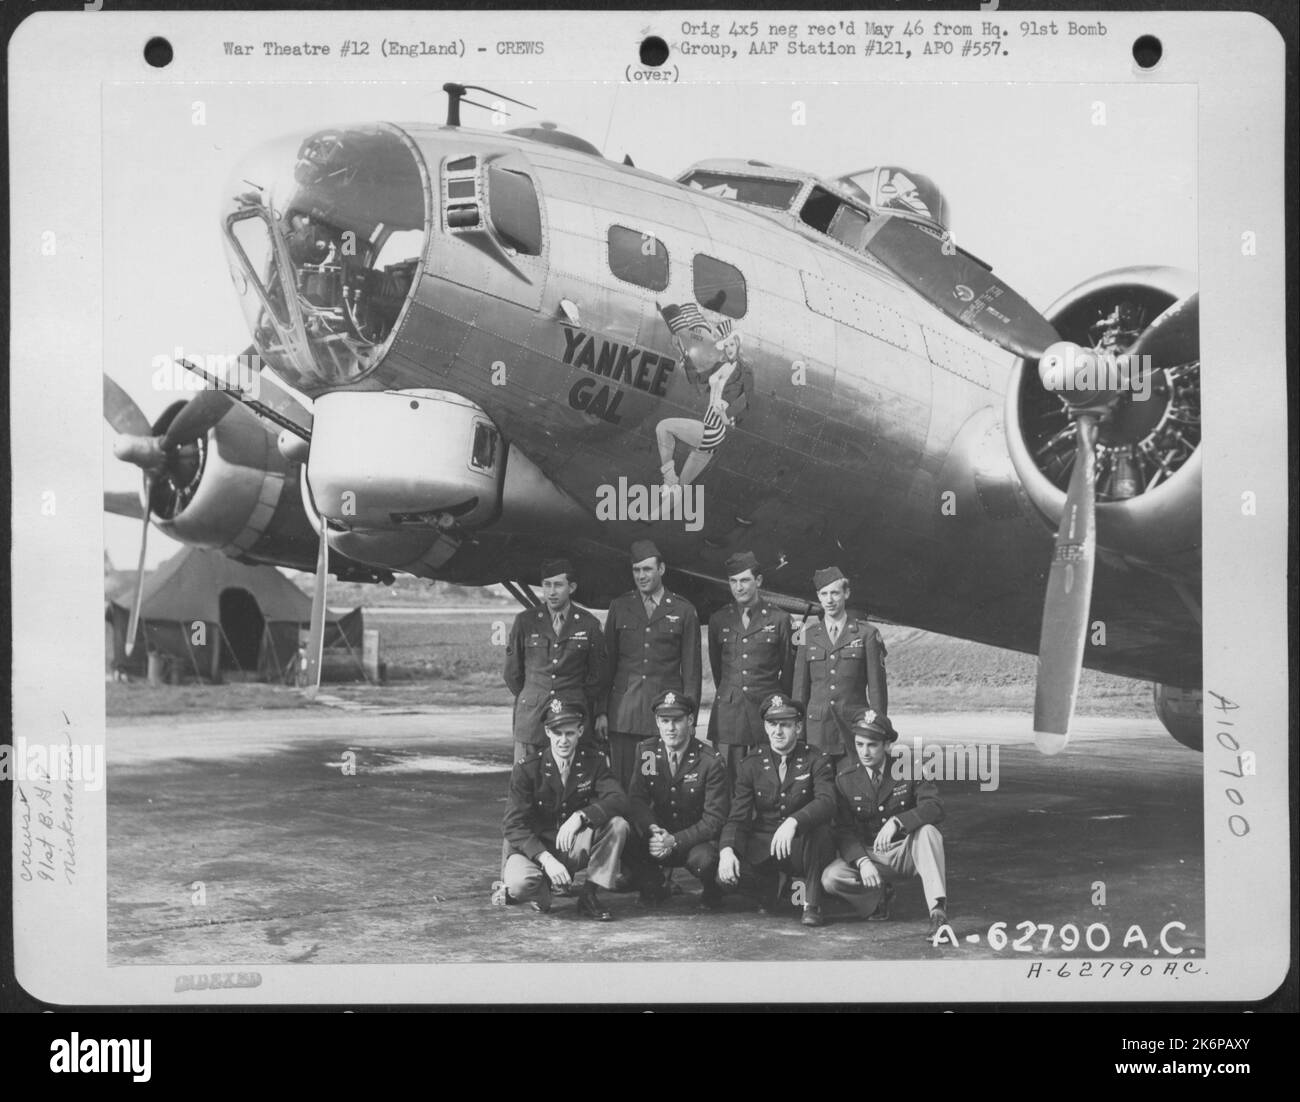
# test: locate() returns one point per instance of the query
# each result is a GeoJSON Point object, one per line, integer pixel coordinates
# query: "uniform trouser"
{"type": "Point", "coordinates": [523, 751]}
{"type": "Point", "coordinates": [919, 854]}
{"type": "Point", "coordinates": [622, 756]}
{"type": "Point", "coordinates": [597, 849]}
{"type": "Point", "coordinates": [700, 859]}
{"type": "Point", "coordinates": [811, 853]}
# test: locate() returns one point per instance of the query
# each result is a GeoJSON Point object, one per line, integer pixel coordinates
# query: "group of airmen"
{"type": "Point", "coordinates": [798, 780]}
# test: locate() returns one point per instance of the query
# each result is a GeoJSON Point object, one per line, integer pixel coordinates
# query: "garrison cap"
{"type": "Point", "coordinates": [670, 702]}
{"type": "Point", "coordinates": [644, 549]}
{"type": "Point", "coordinates": [740, 562]}
{"type": "Point", "coordinates": [874, 726]}
{"type": "Point", "coordinates": [560, 711]}
{"type": "Point", "coordinates": [780, 706]}
{"type": "Point", "coordinates": [552, 567]}
{"type": "Point", "coordinates": [826, 575]}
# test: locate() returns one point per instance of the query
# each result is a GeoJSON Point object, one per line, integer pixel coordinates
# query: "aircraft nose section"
{"type": "Point", "coordinates": [327, 235]}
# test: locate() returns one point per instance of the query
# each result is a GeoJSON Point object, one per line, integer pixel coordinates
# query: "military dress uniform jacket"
{"type": "Point", "coordinates": [862, 808]}
{"type": "Point", "coordinates": [539, 805]}
{"type": "Point", "coordinates": [573, 666]}
{"type": "Point", "coordinates": [691, 806]}
{"type": "Point", "coordinates": [760, 802]}
{"type": "Point", "coordinates": [648, 655]}
{"type": "Point", "coordinates": [832, 679]}
{"type": "Point", "coordinates": [748, 664]}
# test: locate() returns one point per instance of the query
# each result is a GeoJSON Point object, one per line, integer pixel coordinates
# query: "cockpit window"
{"type": "Point", "coordinates": [719, 286]}
{"type": "Point", "coordinates": [326, 239]}
{"type": "Point", "coordinates": [757, 190]}
{"type": "Point", "coordinates": [819, 208]}
{"type": "Point", "coordinates": [827, 212]}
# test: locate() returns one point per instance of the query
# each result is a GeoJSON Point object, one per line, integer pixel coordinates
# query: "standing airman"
{"type": "Point", "coordinates": [556, 649]}
{"type": "Point", "coordinates": [652, 637]}
{"type": "Point", "coordinates": [839, 669]}
{"type": "Point", "coordinates": [751, 656]}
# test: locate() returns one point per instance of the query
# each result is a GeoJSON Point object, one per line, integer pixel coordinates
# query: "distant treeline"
{"type": "Point", "coordinates": [406, 590]}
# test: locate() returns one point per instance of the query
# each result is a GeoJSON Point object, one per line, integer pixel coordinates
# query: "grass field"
{"type": "Point", "coordinates": [457, 658]}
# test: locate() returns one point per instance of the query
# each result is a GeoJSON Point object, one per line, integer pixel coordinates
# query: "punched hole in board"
{"type": "Point", "coordinates": [158, 52]}
{"type": "Point", "coordinates": [1147, 51]}
{"type": "Point", "coordinates": [653, 52]}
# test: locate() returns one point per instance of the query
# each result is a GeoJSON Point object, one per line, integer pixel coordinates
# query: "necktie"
{"type": "Point", "coordinates": [558, 621]}
{"type": "Point", "coordinates": [834, 631]}
{"type": "Point", "coordinates": [780, 769]}
{"type": "Point", "coordinates": [673, 761]}
{"type": "Point", "coordinates": [564, 775]}
{"type": "Point", "coordinates": [744, 619]}
{"type": "Point", "coordinates": [650, 606]}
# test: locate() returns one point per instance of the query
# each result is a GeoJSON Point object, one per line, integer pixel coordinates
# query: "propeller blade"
{"type": "Point", "coordinates": [316, 643]}
{"type": "Point", "coordinates": [198, 415]}
{"type": "Point", "coordinates": [121, 412]}
{"type": "Point", "coordinates": [1069, 598]}
{"type": "Point", "coordinates": [123, 504]}
{"type": "Point", "coordinates": [1174, 337]}
{"type": "Point", "coordinates": [924, 257]}
{"type": "Point", "coordinates": [133, 625]}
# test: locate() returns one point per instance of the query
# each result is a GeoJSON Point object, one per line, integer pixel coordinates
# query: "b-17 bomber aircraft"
{"type": "Point", "coordinates": [484, 348]}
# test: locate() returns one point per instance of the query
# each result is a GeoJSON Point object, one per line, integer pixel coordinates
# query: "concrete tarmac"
{"type": "Point", "coordinates": [351, 836]}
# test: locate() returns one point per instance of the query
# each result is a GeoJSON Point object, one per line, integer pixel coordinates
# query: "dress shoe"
{"type": "Point", "coordinates": [590, 906]}
{"type": "Point", "coordinates": [881, 913]}
{"type": "Point", "coordinates": [812, 915]}
{"type": "Point", "coordinates": [651, 894]}
{"type": "Point", "coordinates": [938, 920]}
{"type": "Point", "coordinates": [542, 904]}
{"type": "Point", "coordinates": [711, 898]}
{"type": "Point", "coordinates": [769, 896]}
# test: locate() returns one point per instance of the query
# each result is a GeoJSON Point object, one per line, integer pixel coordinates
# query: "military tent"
{"type": "Point", "coordinates": [212, 616]}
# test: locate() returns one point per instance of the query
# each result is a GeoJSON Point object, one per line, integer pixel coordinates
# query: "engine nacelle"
{"type": "Point", "coordinates": [229, 489]}
{"type": "Point", "coordinates": [233, 490]}
{"type": "Point", "coordinates": [1182, 713]}
{"type": "Point", "coordinates": [1149, 460]}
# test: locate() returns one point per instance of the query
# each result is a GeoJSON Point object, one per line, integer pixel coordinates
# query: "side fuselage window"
{"type": "Point", "coordinates": [516, 214]}
{"type": "Point", "coordinates": [637, 257]}
{"type": "Point", "coordinates": [719, 286]}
